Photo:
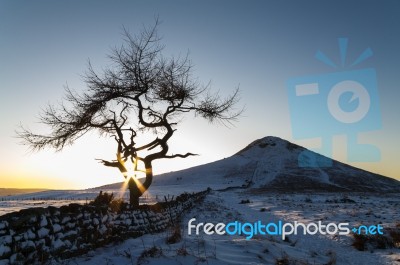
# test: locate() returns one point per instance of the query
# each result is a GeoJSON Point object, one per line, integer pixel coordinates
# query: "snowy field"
{"type": "Point", "coordinates": [226, 206]}
{"type": "Point", "coordinates": [62, 197]}
{"type": "Point", "coordinates": [269, 161]}
{"type": "Point", "coordinates": [299, 249]}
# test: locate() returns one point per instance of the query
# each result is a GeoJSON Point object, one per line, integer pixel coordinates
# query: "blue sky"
{"type": "Point", "coordinates": [256, 45]}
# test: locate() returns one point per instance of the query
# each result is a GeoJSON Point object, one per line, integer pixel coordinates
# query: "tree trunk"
{"type": "Point", "coordinates": [134, 193]}
{"type": "Point", "coordinates": [136, 189]}
{"type": "Point", "coordinates": [149, 175]}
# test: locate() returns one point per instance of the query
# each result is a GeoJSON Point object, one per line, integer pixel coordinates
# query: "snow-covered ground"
{"type": "Point", "coordinates": [264, 166]}
{"type": "Point", "coordinates": [225, 206]}
{"type": "Point", "coordinates": [63, 197]}
{"type": "Point", "coordinates": [300, 249]}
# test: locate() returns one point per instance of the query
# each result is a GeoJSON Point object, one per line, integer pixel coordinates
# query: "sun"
{"type": "Point", "coordinates": [133, 171]}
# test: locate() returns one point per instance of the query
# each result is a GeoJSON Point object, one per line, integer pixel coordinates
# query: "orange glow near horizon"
{"type": "Point", "coordinates": [76, 168]}
{"type": "Point", "coordinates": [16, 181]}
{"type": "Point", "coordinates": [44, 181]}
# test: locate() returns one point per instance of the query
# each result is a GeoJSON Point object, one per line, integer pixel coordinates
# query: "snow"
{"type": "Point", "coordinates": [29, 235]}
{"type": "Point", "coordinates": [66, 219]}
{"type": "Point", "coordinates": [27, 244]}
{"type": "Point", "coordinates": [42, 232]}
{"type": "Point", "coordinates": [4, 249]}
{"type": "Point", "coordinates": [104, 219]}
{"type": "Point", "coordinates": [5, 239]}
{"type": "Point", "coordinates": [223, 206]}
{"type": "Point", "coordinates": [43, 221]}
{"type": "Point", "coordinates": [102, 229]}
{"type": "Point", "coordinates": [95, 221]}
{"type": "Point", "coordinates": [224, 249]}
{"type": "Point", "coordinates": [58, 244]}
{"type": "Point", "coordinates": [260, 164]}
{"type": "Point", "coordinates": [56, 228]}
{"type": "Point", "coordinates": [3, 224]}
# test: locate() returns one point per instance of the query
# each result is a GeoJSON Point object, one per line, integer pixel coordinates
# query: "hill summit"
{"type": "Point", "coordinates": [271, 164]}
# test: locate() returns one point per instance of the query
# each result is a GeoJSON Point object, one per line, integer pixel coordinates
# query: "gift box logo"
{"type": "Point", "coordinates": [344, 102]}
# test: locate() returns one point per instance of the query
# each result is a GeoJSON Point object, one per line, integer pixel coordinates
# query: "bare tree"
{"type": "Point", "coordinates": [140, 93]}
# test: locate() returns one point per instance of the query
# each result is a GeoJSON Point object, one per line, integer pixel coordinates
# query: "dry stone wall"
{"type": "Point", "coordinates": [38, 235]}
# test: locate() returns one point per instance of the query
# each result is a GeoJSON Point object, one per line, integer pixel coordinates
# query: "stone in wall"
{"type": "Point", "coordinates": [39, 234]}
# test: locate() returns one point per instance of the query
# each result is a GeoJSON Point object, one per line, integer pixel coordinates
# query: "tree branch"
{"type": "Point", "coordinates": [141, 92]}
{"type": "Point", "coordinates": [180, 155]}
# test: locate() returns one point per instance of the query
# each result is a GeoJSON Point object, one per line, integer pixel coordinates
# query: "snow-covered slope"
{"type": "Point", "coordinates": [271, 164]}
{"type": "Point", "coordinates": [278, 169]}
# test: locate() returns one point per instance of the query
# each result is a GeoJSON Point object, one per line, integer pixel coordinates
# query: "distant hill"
{"type": "Point", "coordinates": [271, 164]}
{"type": "Point", "coordinates": [10, 192]}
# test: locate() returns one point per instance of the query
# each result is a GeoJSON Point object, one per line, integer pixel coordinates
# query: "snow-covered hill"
{"type": "Point", "coordinates": [271, 164]}
{"type": "Point", "coordinates": [265, 165]}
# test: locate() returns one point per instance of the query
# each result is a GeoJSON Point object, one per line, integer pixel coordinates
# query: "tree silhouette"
{"type": "Point", "coordinates": [141, 93]}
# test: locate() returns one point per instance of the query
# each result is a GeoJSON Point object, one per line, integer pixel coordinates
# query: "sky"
{"type": "Point", "coordinates": [257, 46]}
